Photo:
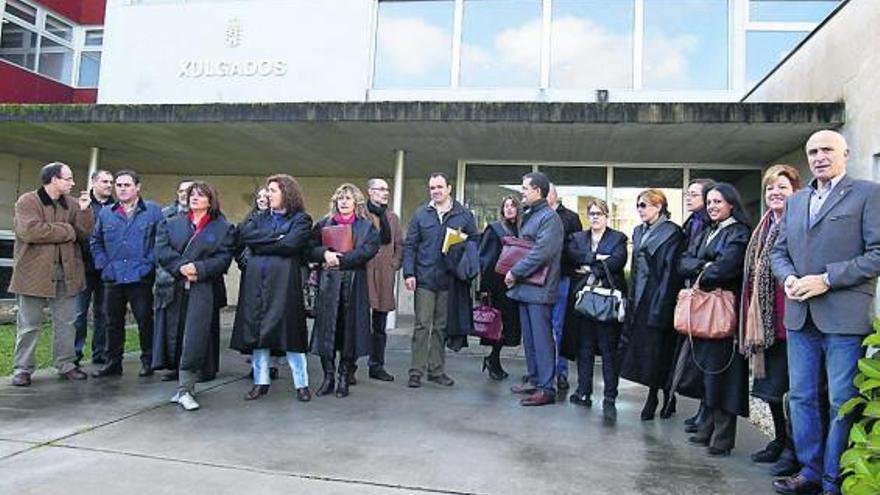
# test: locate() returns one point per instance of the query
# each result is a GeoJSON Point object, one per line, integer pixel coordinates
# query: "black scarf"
{"type": "Point", "coordinates": [384, 227]}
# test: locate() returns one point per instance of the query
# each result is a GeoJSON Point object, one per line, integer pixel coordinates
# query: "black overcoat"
{"type": "Point", "coordinates": [648, 339]}
{"type": "Point", "coordinates": [271, 311]}
{"type": "Point", "coordinates": [578, 250]}
{"type": "Point", "coordinates": [348, 299]}
{"type": "Point", "coordinates": [493, 283]}
{"type": "Point", "coordinates": [726, 386]}
{"type": "Point", "coordinates": [190, 337]}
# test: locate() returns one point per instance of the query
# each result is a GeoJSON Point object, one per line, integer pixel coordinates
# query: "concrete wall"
{"type": "Point", "coordinates": [838, 63]}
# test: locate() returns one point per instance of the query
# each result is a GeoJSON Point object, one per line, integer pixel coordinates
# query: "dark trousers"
{"type": "Point", "coordinates": [719, 429]}
{"type": "Point", "coordinates": [92, 295]}
{"type": "Point", "coordinates": [602, 337]}
{"type": "Point", "coordinates": [140, 297]}
{"type": "Point", "coordinates": [539, 344]}
{"type": "Point", "coordinates": [378, 339]}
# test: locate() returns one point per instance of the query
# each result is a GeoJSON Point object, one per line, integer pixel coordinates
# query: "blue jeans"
{"type": "Point", "coordinates": [808, 348]}
{"type": "Point", "coordinates": [559, 322]}
{"type": "Point", "coordinates": [92, 295]}
{"type": "Point", "coordinates": [298, 366]}
{"type": "Point", "coordinates": [538, 344]}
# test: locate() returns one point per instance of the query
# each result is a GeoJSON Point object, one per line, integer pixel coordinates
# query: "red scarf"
{"type": "Point", "coordinates": [338, 219]}
{"type": "Point", "coordinates": [202, 222]}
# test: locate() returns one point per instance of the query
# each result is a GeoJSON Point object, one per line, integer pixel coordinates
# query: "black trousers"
{"type": "Point", "coordinates": [378, 339]}
{"type": "Point", "coordinates": [719, 429]}
{"type": "Point", "coordinates": [601, 337]}
{"type": "Point", "coordinates": [118, 297]}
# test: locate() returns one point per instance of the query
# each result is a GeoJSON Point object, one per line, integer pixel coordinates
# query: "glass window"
{"type": "Point", "coordinates": [94, 37]}
{"type": "Point", "coordinates": [765, 49]}
{"type": "Point", "coordinates": [629, 182]}
{"type": "Point", "coordinates": [18, 45]}
{"type": "Point", "coordinates": [22, 11]}
{"type": "Point", "coordinates": [747, 182]}
{"type": "Point", "coordinates": [790, 10]}
{"type": "Point", "coordinates": [55, 60]}
{"type": "Point", "coordinates": [414, 44]}
{"type": "Point", "coordinates": [59, 28]}
{"type": "Point", "coordinates": [588, 35]}
{"type": "Point", "coordinates": [501, 43]}
{"type": "Point", "coordinates": [487, 185]}
{"type": "Point", "coordinates": [577, 186]}
{"type": "Point", "coordinates": [89, 69]}
{"type": "Point", "coordinates": [686, 44]}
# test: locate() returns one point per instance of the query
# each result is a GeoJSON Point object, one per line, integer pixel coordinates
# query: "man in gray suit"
{"type": "Point", "coordinates": [828, 258]}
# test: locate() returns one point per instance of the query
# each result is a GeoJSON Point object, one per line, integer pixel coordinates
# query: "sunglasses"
{"type": "Point", "coordinates": [643, 205]}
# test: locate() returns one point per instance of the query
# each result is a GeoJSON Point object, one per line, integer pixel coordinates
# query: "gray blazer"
{"type": "Point", "coordinates": [542, 226]}
{"type": "Point", "coordinates": [843, 240]}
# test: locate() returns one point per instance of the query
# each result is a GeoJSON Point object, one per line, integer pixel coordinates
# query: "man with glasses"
{"type": "Point", "coordinates": [48, 269]}
{"type": "Point", "coordinates": [425, 272]}
{"type": "Point", "coordinates": [381, 272]}
{"type": "Point", "coordinates": [123, 249]}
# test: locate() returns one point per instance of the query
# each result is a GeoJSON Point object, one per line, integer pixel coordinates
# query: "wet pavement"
{"type": "Point", "coordinates": [120, 435]}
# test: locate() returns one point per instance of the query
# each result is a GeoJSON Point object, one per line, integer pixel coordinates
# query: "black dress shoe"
{"type": "Point", "coordinates": [303, 394]}
{"type": "Point", "coordinates": [257, 392]}
{"type": "Point", "coordinates": [562, 382]}
{"type": "Point", "coordinates": [273, 373]}
{"type": "Point", "coordinates": [171, 376]}
{"type": "Point", "coordinates": [415, 381]}
{"type": "Point", "coordinates": [699, 440]}
{"type": "Point", "coordinates": [580, 399]}
{"type": "Point", "coordinates": [609, 411]}
{"type": "Point", "coordinates": [716, 452]}
{"type": "Point", "coordinates": [108, 370]}
{"type": "Point", "coordinates": [21, 379]}
{"type": "Point", "coordinates": [379, 373]}
{"type": "Point", "coordinates": [691, 428]}
{"type": "Point", "coordinates": [145, 370]}
{"type": "Point", "coordinates": [770, 453]}
{"type": "Point", "coordinates": [787, 465]}
{"type": "Point", "coordinates": [797, 485]}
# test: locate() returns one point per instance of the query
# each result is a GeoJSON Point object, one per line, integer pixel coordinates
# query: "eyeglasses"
{"type": "Point", "coordinates": [596, 214]}
{"type": "Point", "coordinates": [380, 189]}
{"type": "Point", "coordinates": [642, 205]}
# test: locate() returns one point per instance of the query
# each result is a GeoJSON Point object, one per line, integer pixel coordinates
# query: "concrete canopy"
{"type": "Point", "coordinates": [358, 139]}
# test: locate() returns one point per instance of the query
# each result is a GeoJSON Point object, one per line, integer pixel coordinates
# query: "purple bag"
{"type": "Point", "coordinates": [487, 322]}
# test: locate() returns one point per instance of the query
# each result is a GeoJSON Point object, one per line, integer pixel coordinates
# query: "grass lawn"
{"type": "Point", "coordinates": [44, 346]}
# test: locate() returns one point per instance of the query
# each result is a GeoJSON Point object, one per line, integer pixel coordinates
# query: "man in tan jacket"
{"type": "Point", "coordinates": [381, 272]}
{"type": "Point", "coordinates": [48, 269]}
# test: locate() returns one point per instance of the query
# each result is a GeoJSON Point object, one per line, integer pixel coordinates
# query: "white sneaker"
{"type": "Point", "coordinates": [187, 401]}
{"type": "Point", "coordinates": [176, 398]}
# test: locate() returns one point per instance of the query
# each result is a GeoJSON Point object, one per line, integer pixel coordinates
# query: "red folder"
{"type": "Point", "coordinates": [337, 238]}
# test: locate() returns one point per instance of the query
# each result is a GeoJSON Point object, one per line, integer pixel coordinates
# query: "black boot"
{"type": "Point", "coordinates": [342, 384]}
{"type": "Point", "coordinates": [329, 383]}
{"type": "Point", "coordinates": [492, 363]}
{"type": "Point", "coordinates": [696, 418]}
{"type": "Point", "coordinates": [650, 405]}
{"type": "Point", "coordinates": [668, 408]}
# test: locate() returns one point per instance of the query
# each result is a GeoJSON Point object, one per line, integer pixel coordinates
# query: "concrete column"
{"type": "Point", "coordinates": [397, 205]}
{"type": "Point", "coordinates": [94, 159]}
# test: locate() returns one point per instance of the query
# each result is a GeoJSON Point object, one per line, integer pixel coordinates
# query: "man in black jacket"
{"type": "Point", "coordinates": [571, 223]}
{"type": "Point", "coordinates": [101, 192]}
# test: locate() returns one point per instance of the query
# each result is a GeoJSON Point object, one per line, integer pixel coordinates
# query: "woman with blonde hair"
{"type": "Point", "coordinates": [342, 322]}
{"type": "Point", "coordinates": [763, 335]}
{"type": "Point", "coordinates": [649, 337]}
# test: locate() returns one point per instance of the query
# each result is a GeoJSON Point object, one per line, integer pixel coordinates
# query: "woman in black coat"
{"type": "Point", "coordinates": [492, 284]}
{"type": "Point", "coordinates": [649, 337]}
{"type": "Point", "coordinates": [342, 321]}
{"type": "Point", "coordinates": [196, 249]}
{"type": "Point", "coordinates": [271, 313]}
{"type": "Point", "coordinates": [718, 262]}
{"type": "Point", "coordinates": [594, 251]}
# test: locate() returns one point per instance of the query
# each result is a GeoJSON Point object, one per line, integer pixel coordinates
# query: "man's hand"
{"type": "Point", "coordinates": [189, 271]}
{"type": "Point", "coordinates": [789, 287]}
{"type": "Point", "coordinates": [331, 258]}
{"type": "Point", "coordinates": [84, 200]}
{"type": "Point", "coordinates": [809, 286]}
{"type": "Point", "coordinates": [509, 280]}
{"type": "Point", "coordinates": [602, 257]}
{"type": "Point", "coordinates": [410, 283]}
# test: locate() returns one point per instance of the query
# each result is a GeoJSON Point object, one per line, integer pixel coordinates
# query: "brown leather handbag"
{"type": "Point", "coordinates": [514, 249]}
{"type": "Point", "coordinates": [705, 314]}
{"type": "Point", "coordinates": [338, 238]}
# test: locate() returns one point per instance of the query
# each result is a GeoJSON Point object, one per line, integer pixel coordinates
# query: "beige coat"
{"type": "Point", "coordinates": [45, 234]}
{"type": "Point", "coordinates": [382, 269]}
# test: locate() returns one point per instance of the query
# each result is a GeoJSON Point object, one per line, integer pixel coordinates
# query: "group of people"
{"type": "Point", "coordinates": [804, 277]}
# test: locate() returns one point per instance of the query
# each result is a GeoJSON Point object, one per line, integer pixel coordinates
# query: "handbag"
{"type": "Point", "coordinates": [514, 249]}
{"type": "Point", "coordinates": [487, 321]}
{"type": "Point", "coordinates": [337, 238]}
{"type": "Point", "coordinates": [706, 315]}
{"type": "Point", "coordinates": [600, 303]}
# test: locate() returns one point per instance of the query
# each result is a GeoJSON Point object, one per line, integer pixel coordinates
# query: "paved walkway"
{"type": "Point", "coordinates": [120, 435]}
